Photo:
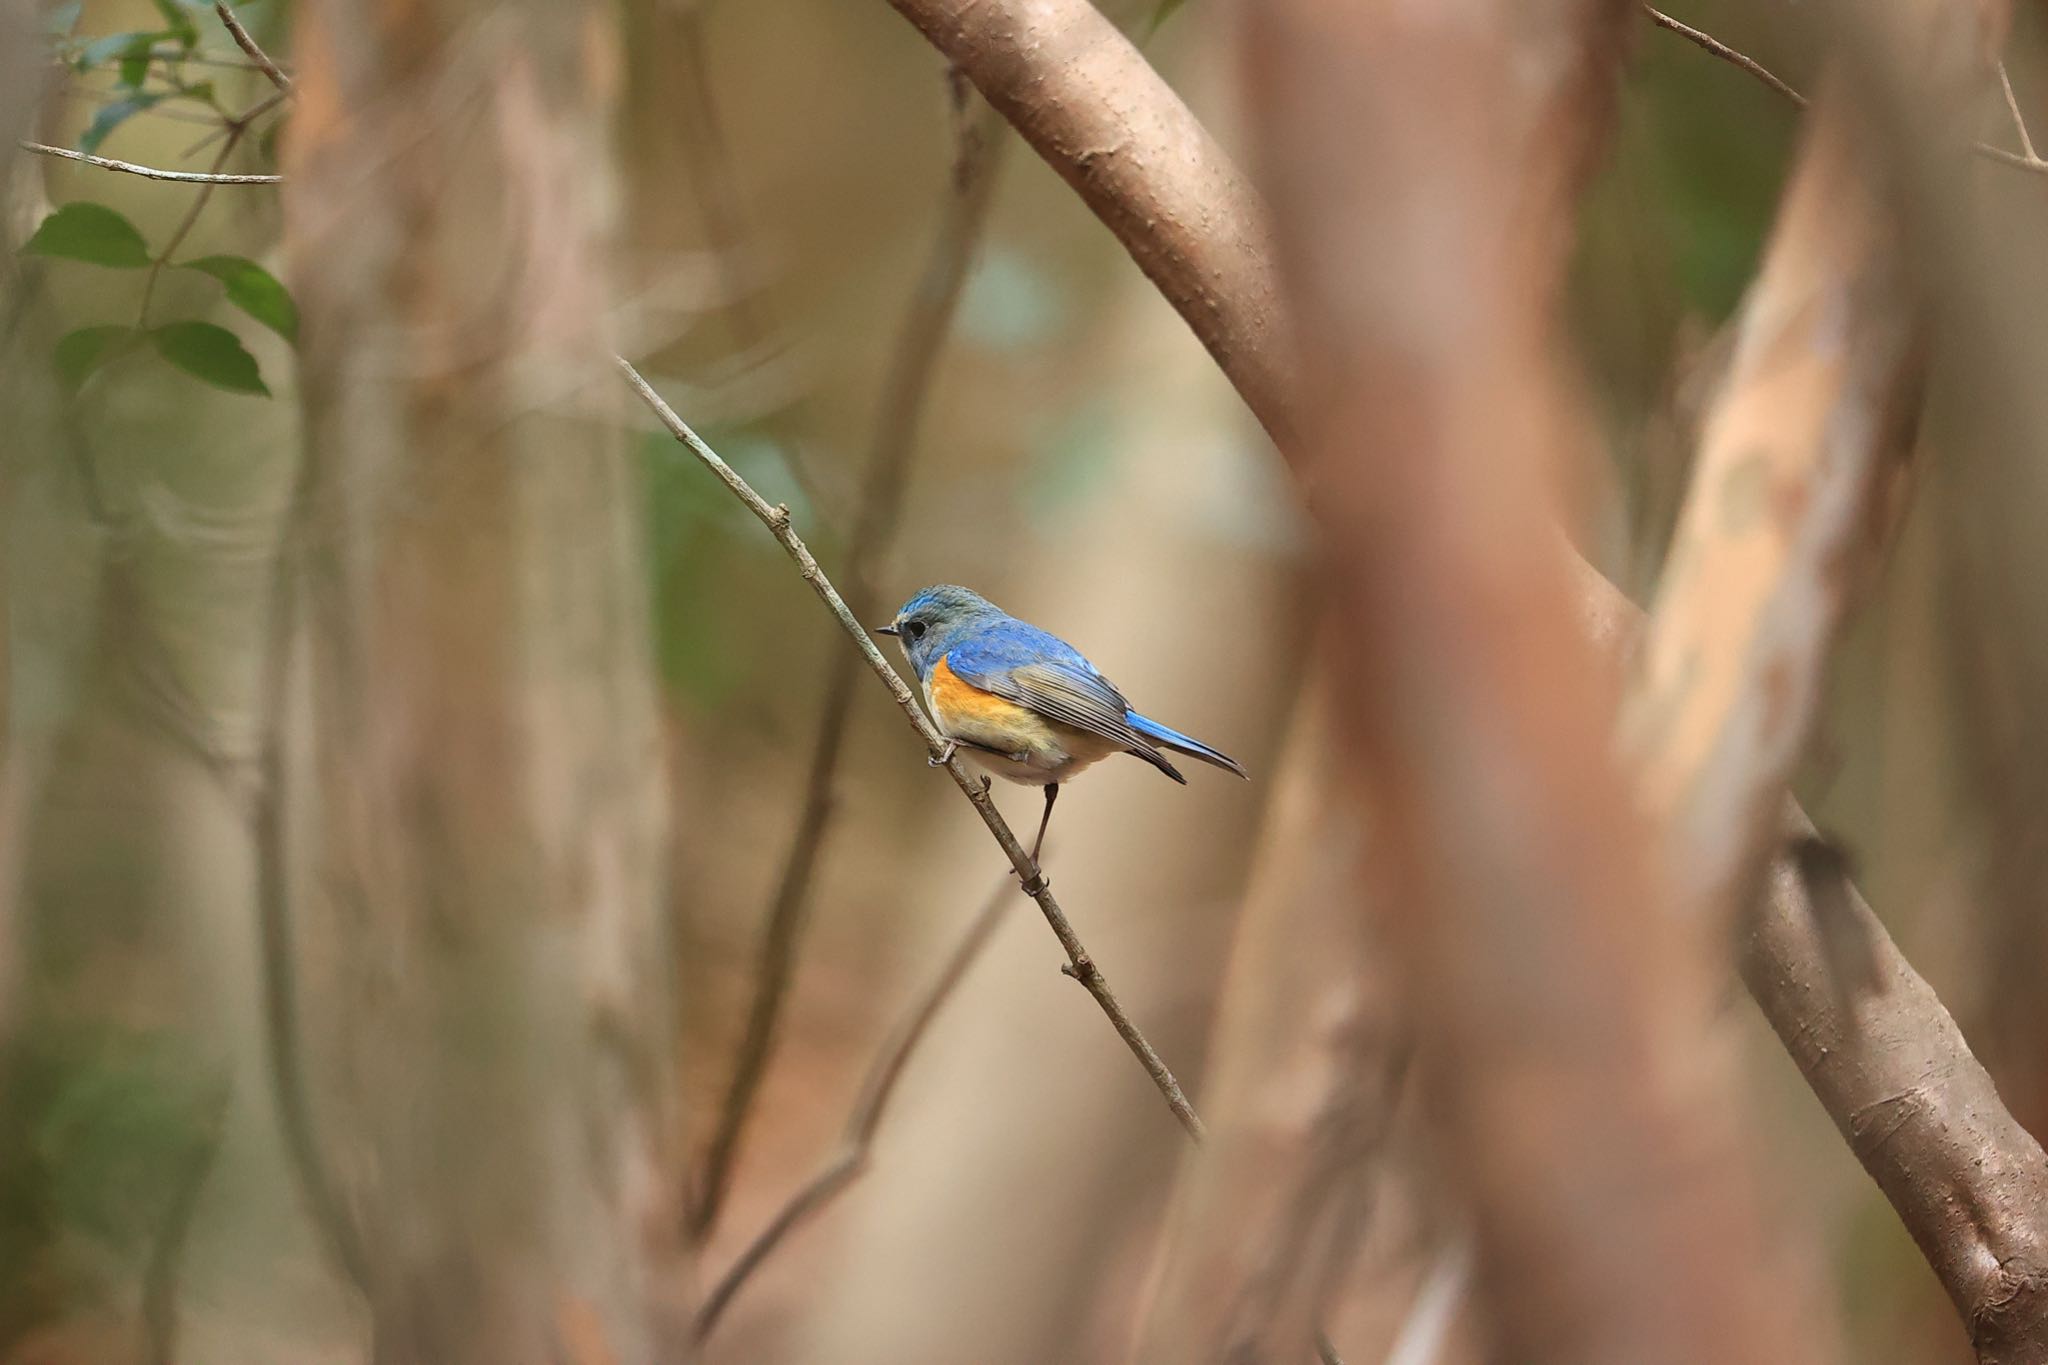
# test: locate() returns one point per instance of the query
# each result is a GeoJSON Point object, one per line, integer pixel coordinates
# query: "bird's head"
{"type": "Point", "coordinates": [932, 620]}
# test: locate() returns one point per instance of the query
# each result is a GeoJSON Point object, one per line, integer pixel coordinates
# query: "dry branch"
{"type": "Point", "coordinates": [1080, 965]}
{"type": "Point", "coordinates": [863, 1121]}
{"type": "Point", "coordinates": [247, 42]}
{"type": "Point", "coordinates": [969, 190]}
{"type": "Point", "coordinates": [1817, 405]}
{"type": "Point", "coordinates": [107, 163]}
{"type": "Point", "coordinates": [1026, 67]}
{"type": "Point", "coordinates": [2023, 160]}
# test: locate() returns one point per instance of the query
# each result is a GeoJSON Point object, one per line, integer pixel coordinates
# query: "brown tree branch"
{"type": "Point", "coordinates": [1818, 406]}
{"type": "Point", "coordinates": [926, 325]}
{"type": "Point", "coordinates": [1920, 1112]}
{"type": "Point", "coordinates": [1087, 101]}
{"type": "Point", "coordinates": [1080, 965]}
{"type": "Point", "coordinates": [1423, 164]}
{"type": "Point", "coordinates": [247, 42]}
{"type": "Point", "coordinates": [857, 1139]}
{"type": "Point", "coordinates": [2006, 1228]}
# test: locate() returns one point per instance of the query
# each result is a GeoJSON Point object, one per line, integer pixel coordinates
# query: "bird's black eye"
{"type": "Point", "coordinates": [914, 629]}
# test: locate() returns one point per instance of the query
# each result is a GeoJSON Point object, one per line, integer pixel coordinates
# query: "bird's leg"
{"type": "Point", "coordinates": [1037, 883]}
{"type": "Point", "coordinates": [943, 756]}
{"type": "Point", "coordinates": [1052, 794]}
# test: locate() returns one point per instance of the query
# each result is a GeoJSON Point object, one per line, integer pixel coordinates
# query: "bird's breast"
{"type": "Point", "coordinates": [1009, 740]}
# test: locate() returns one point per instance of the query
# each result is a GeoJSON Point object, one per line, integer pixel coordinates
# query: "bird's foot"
{"type": "Point", "coordinates": [1037, 884]}
{"type": "Point", "coordinates": [943, 756]}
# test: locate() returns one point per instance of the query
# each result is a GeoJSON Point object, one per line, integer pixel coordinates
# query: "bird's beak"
{"type": "Point", "coordinates": [887, 630]}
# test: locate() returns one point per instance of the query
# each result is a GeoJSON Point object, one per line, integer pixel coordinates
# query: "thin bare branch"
{"type": "Point", "coordinates": [2024, 160]}
{"type": "Point", "coordinates": [2019, 120]}
{"type": "Point", "coordinates": [1080, 965]}
{"type": "Point", "coordinates": [864, 1119]}
{"type": "Point", "coordinates": [925, 328]}
{"type": "Point", "coordinates": [247, 42]}
{"type": "Point", "coordinates": [107, 163]}
{"type": "Point", "coordinates": [1707, 42]}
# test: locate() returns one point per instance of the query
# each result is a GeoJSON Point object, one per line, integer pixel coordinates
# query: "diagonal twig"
{"type": "Point", "coordinates": [2024, 160]}
{"type": "Point", "coordinates": [107, 163]}
{"type": "Point", "coordinates": [863, 1120]}
{"type": "Point", "coordinates": [247, 42]}
{"type": "Point", "coordinates": [925, 329]}
{"type": "Point", "coordinates": [2019, 120]}
{"type": "Point", "coordinates": [1080, 965]}
{"type": "Point", "coordinates": [1708, 43]}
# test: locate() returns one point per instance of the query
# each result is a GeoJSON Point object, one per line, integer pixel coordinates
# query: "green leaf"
{"type": "Point", "coordinates": [211, 353]}
{"type": "Point", "coordinates": [112, 116]}
{"type": "Point", "coordinates": [113, 45]}
{"type": "Point", "coordinates": [182, 30]}
{"type": "Point", "coordinates": [254, 290]}
{"type": "Point", "coordinates": [134, 70]}
{"type": "Point", "coordinates": [85, 231]}
{"type": "Point", "coordinates": [81, 352]}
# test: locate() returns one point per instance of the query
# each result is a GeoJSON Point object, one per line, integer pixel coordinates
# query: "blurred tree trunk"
{"type": "Point", "coordinates": [145, 1211]}
{"type": "Point", "coordinates": [488, 1004]}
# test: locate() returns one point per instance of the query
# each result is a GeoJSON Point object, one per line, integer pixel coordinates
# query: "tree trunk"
{"type": "Point", "coordinates": [489, 1009]}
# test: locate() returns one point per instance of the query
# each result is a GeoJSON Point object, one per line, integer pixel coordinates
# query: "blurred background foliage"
{"type": "Point", "coordinates": [1071, 419]}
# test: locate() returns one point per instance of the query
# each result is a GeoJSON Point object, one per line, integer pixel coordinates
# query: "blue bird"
{"type": "Point", "coordinates": [1023, 703]}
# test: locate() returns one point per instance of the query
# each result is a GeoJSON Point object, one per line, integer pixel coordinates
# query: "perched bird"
{"type": "Point", "coordinates": [1025, 704]}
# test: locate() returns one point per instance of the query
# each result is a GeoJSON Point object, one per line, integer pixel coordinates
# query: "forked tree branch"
{"type": "Point", "coordinates": [1971, 1193]}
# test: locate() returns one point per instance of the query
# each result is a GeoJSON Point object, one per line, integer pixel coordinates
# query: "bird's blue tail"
{"type": "Point", "coordinates": [1167, 738]}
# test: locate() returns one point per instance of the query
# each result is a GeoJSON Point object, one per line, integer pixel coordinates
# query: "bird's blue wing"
{"type": "Point", "coordinates": [1024, 664]}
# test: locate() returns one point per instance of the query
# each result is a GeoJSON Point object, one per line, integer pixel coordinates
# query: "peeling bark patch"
{"type": "Point", "coordinates": [1745, 489]}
